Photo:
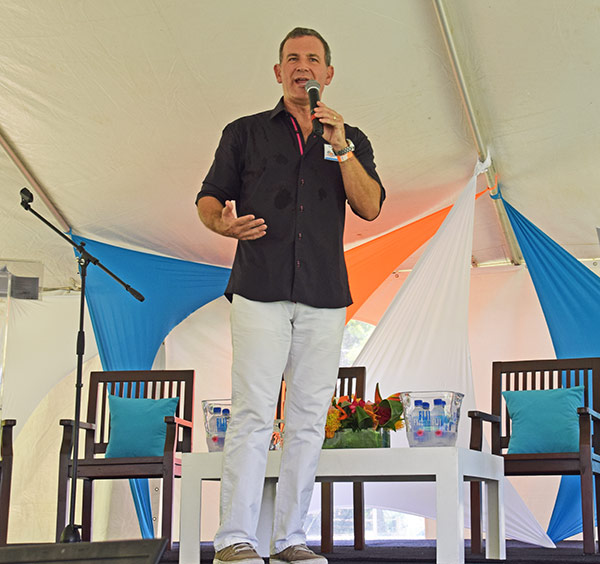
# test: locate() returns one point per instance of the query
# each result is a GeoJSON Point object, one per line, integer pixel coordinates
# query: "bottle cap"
{"type": "Point", "coordinates": [418, 403]}
{"type": "Point", "coordinates": [439, 401]}
{"type": "Point", "coordinates": [226, 411]}
{"type": "Point", "coordinates": [425, 405]}
{"type": "Point", "coordinates": [216, 410]}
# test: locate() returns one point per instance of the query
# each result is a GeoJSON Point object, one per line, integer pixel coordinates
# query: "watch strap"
{"type": "Point", "coordinates": [347, 149]}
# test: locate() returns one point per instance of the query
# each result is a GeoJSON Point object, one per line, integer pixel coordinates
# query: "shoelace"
{"type": "Point", "coordinates": [242, 546]}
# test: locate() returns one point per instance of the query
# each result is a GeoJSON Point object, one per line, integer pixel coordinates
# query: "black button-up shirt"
{"type": "Point", "coordinates": [263, 163]}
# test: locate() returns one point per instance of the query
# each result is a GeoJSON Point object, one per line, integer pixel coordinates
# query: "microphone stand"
{"type": "Point", "coordinates": [70, 533]}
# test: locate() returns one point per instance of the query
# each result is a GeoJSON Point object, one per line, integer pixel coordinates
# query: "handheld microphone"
{"type": "Point", "coordinates": [312, 87]}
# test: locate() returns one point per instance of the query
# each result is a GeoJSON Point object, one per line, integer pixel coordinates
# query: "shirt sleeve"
{"type": "Point", "coordinates": [364, 153]}
{"type": "Point", "coordinates": [223, 179]}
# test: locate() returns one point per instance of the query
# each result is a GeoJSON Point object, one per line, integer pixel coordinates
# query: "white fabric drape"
{"type": "Point", "coordinates": [422, 343]}
{"type": "Point", "coordinates": [41, 347]}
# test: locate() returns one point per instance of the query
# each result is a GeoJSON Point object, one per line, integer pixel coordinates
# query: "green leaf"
{"type": "Point", "coordinates": [396, 412]}
{"type": "Point", "coordinates": [363, 419]}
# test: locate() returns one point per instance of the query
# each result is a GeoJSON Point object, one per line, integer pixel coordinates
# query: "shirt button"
{"type": "Point", "coordinates": [297, 264]}
{"type": "Point", "coordinates": [301, 208]}
{"type": "Point", "coordinates": [302, 182]}
{"type": "Point", "coordinates": [299, 235]}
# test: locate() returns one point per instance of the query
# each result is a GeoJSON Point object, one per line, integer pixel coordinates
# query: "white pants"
{"type": "Point", "coordinates": [269, 339]}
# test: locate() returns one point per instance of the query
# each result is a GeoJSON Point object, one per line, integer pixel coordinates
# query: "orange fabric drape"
{"type": "Point", "coordinates": [371, 263]}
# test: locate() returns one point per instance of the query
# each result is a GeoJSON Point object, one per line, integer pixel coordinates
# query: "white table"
{"type": "Point", "coordinates": [448, 467]}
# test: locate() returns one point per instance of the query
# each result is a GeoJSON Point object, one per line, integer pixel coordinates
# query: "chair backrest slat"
{"type": "Point", "coordinates": [103, 431]}
{"type": "Point", "coordinates": [351, 380]}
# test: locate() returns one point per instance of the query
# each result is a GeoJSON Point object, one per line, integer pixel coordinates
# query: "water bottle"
{"type": "Point", "coordinates": [222, 421]}
{"type": "Point", "coordinates": [414, 416]}
{"type": "Point", "coordinates": [438, 417]}
{"type": "Point", "coordinates": [425, 416]}
{"type": "Point", "coordinates": [424, 422]}
{"type": "Point", "coordinates": [214, 419]}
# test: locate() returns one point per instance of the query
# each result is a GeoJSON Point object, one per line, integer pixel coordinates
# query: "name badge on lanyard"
{"type": "Point", "coordinates": [329, 154]}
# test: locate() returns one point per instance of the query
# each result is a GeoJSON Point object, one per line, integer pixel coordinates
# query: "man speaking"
{"type": "Point", "coordinates": [288, 286]}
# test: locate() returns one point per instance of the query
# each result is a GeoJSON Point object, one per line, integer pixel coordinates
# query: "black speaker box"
{"type": "Point", "coordinates": [148, 551]}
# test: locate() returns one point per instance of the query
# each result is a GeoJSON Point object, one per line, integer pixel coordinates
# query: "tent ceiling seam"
{"type": "Point", "coordinates": [24, 170]}
{"type": "Point", "coordinates": [516, 256]}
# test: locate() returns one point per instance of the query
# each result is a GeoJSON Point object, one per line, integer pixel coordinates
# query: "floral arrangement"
{"type": "Point", "coordinates": [356, 414]}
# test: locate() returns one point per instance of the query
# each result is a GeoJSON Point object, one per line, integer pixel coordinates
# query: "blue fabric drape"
{"type": "Point", "coordinates": [129, 332]}
{"type": "Point", "coordinates": [569, 294]}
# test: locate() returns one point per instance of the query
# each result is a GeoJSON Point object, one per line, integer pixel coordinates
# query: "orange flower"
{"type": "Point", "coordinates": [341, 413]}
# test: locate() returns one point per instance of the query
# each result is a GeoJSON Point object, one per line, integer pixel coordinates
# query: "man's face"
{"type": "Point", "coordinates": [303, 59]}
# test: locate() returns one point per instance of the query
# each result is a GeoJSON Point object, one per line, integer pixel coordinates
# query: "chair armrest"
{"type": "Point", "coordinates": [484, 416]}
{"type": "Point", "coordinates": [172, 441]}
{"type": "Point", "coordinates": [588, 410]}
{"type": "Point", "coordinates": [587, 439]}
{"type": "Point", "coordinates": [6, 439]}
{"type": "Point", "coordinates": [66, 444]}
{"type": "Point", "coordinates": [82, 424]}
{"type": "Point", "coordinates": [178, 421]}
{"type": "Point", "coordinates": [477, 419]}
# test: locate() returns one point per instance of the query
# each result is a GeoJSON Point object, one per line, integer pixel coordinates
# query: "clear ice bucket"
{"type": "Point", "coordinates": [216, 419]}
{"type": "Point", "coordinates": [431, 418]}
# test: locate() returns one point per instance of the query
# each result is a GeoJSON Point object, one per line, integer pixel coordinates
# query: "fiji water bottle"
{"type": "Point", "coordinates": [438, 417]}
{"type": "Point", "coordinates": [223, 421]}
{"type": "Point", "coordinates": [212, 422]}
{"type": "Point", "coordinates": [424, 422]}
{"type": "Point", "coordinates": [425, 416]}
{"type": "Point", "coordinates": [415, 425]}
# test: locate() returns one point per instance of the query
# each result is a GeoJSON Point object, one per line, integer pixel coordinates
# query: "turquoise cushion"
{"type": "Point", "coordinates": [137, 426]}
{"type": "Point", "coordinates": [544, 420]}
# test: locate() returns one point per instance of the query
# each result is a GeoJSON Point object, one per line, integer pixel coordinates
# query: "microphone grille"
{"type": "Point", "coordinates": [312, 84]}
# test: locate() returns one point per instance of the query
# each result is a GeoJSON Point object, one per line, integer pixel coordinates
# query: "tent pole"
{"type": "Point", "coordinates": [516, 256]}
{"type": "Point", "coordinates": [33, 182]}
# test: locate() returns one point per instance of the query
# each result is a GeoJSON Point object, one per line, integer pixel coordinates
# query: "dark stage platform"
{"type": "Point", "coordinates": [423, 552]}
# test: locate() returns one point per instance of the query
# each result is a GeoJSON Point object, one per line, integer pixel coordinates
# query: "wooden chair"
{"type": "Point", "coordinates": [542, 375]}
{"type": "Point", "coordinates": [351, 380]}
{"type": "Point", "coordinates": [6, 463]}
{"type": "Point", "coordinates": [154, 384]}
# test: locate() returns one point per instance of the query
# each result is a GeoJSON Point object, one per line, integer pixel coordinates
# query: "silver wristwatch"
{"type": "Point", "coordinates": [345, 150]}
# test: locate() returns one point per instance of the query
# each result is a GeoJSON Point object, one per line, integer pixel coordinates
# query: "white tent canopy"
{"type": "Point", "coordinates": [116, 109]}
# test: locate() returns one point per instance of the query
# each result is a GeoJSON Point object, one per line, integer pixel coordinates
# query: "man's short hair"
{"type": "Point", "coordinates": [303, 32]}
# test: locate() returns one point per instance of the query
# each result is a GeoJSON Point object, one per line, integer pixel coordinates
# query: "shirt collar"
{"type": "Point", "coordinates": [280, 107]}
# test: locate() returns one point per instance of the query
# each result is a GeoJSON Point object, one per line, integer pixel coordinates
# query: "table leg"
{"type": "Point", "coordinates": [264, 531]}
{"type": "Point", "coordinates": [450, 545]}
{"type": "Point", "coordinates": [327, 517]}
{"type": "Point", "coordinates": [495, 544]}
{"type": "Point", "coordinates": [189, 521]}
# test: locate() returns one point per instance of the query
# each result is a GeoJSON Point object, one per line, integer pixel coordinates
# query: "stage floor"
{"type": "Point", "coordinates": [423, 552]}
